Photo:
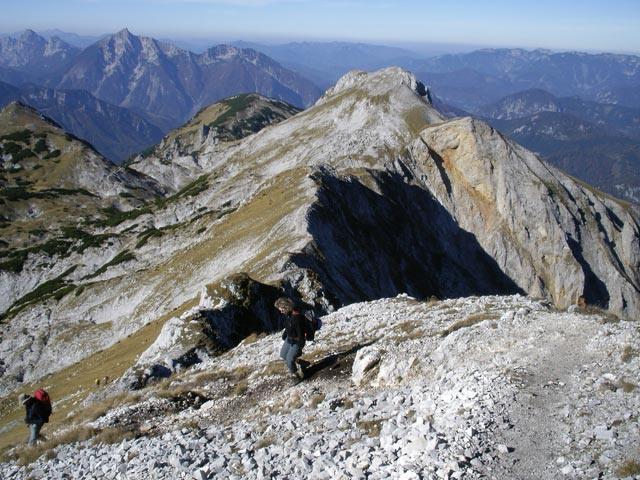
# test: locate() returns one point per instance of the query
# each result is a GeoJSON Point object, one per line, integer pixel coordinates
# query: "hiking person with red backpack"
{"type": "Point", "coordinates": [38, 410]}
{"type": "Point", "coordinates": [294, 336]}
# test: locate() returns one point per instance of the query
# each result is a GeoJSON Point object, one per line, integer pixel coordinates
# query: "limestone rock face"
{"type": "Point", "coordinates": [552, 236]}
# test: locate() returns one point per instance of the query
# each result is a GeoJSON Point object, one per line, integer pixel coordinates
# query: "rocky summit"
{"type": "Point", "coordinates": [485, 387]}
{"type": "Point", "coordinates": [368, 194]}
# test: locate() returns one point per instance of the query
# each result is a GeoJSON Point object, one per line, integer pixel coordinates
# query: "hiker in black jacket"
{"type": "Point", "coordinates": [293, 335]}
{"type": "Point", "coordinates": [36, 416]}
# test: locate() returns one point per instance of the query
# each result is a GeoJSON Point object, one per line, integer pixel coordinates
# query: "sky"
{"type": "Point", "coordinates": [583, 25]}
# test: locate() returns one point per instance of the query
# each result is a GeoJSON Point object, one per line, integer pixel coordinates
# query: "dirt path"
{"type": "Point", "coordinates": [536, 438]}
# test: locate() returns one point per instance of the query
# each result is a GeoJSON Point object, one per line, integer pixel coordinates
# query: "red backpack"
{"type": "Point", "coordinates": [43, 397]}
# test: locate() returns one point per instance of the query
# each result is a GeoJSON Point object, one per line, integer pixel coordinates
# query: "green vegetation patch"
{"type": "Point", "coordinates": [41, 146]}
{"type": "Point", "coordinates": [13, 265]}
{"type": "Point", "coordinates": [23, 136]}
{"type": "Point", "coordinates": [16, 258]}
{"type": "Point", "coordinates": [22, 154]}
{"type": "Point", "coordinates": [146, 235]}
{"type": "Point", "coordinates": [84, 240]}
{"type": "Point", "coordinates": [236, 104]}
{"type": "Point", "coordinates": [114, 217]}
{"type": "Point", "coordinates": [122, 257]}
{"type": "Point", "coordinates": [56, 288]}
{"type": "Point", "coordinates": [73, 240]}
{"type": "Point", "coordinates": [191, 190]}
{"type": "Point", "coordinates": [12, 148]}
{"type": "Point", "coordinates": [14, 194]}
{"type": "Point", "coordinates": [53, 154]}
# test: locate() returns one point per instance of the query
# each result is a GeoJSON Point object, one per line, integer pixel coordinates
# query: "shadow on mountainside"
{"type": "Point", "coordinates": [371, 245]}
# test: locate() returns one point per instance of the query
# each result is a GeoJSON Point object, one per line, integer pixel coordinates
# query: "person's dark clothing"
{"type": "Point", "coordinates": [37, 414]}
{"type": "Point", "coordinates": [294, 339]}
{"type": "Point", "coordinates": [294, 328]}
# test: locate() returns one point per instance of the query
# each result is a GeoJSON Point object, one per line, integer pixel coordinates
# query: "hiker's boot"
{"type": "Point", "coordinates": [295, 378]}
{"type": "Point", "coordinates": [302, 367]}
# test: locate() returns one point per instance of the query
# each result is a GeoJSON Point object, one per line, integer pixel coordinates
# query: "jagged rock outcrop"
{"type": "Point", "coordinates": [368, 194]}
{"type": "Point", "coordinates": [226, 314]}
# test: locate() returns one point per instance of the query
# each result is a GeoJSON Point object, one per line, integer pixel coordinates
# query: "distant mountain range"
{"type": "Point", "coordinates": [325, 62]}
{"type": "Point", "coordinates": [167, 82]}
{"type": "Point", "coordinates": [595, 142]}
{"type": "Point", "coordinates": [115, 131]}
{"type": "Point", "coordinates": [31, 58]}
{"type": "Point", "coordinates": [580, 111]}
{"type": "Point", "coordinates": [160, 85]}
{"type": "Point", "coordinates": [471, 80]}
{"type": "Point", "coordinates": [611, 117]}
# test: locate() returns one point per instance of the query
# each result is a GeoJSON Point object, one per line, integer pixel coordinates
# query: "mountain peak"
{"type": "Point", "coordinates": [123, 37]}
{"type": "Point", "coordinates": [124, 33]}
{"type": "Point", "coordinates": [383, 82]}
{"type": "Point", "coordinates": [29, 34]}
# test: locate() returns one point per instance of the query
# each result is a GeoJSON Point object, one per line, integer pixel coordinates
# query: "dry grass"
{"type": "Point", "coordinates": [70, 386]}
{"type": "Point", "coordinates": [240, 388]}
{"type": "Point", "coordinates": [630, 468]}
{"type": "Point", "coordinates": [372, 428]}
{"type": "Point", "coordinates": [469, 321]}
{"type": "Point", "coordinates": [316, 400]}
{"type": "Point", "coordinates": [97, 410]}
{"type": "Point", "coordinates": [627, 387]}
{"type": "Point", "coordinates": [607, 317]}
{"type": "Point", "coordinates": [628, 354]}
{"type": "Point", "coordinates": [111, 436]}
{"type": "Point", "coordinates": [274, 367]}
{"type": "Point", "coordinates": [410, 329]}
{"type": "Point", "coordinates": [253, 338]}
{"type": "Point", "coordinates": [265, 442]}
{"type": "Point", "coordinates": [25, 455]}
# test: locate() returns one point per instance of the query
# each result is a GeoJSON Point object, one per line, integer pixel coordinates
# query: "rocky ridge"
{"type": "Point", "coordinates": [487, 387]}
{"type": "Point", "coordinates": [176, 160]}
{"type": "Point", "coordinates": [368, 194]}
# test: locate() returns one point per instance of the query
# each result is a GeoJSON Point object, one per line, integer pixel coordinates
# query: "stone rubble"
{"type": "Point", "coordinates": [490, 387]}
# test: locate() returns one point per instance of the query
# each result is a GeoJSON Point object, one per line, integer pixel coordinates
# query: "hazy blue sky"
{"type": "Point", "coordinates": [587, 25]}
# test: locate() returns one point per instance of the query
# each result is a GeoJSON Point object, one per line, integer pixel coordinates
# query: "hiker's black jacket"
{"type": "Point", "coordinates": [294, 328]}
{"type": "Point", "coordinates": [37, 412]}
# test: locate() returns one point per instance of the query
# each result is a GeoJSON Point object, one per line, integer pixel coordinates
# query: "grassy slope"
{"type": "Point", "coordinates": [70, 386]}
